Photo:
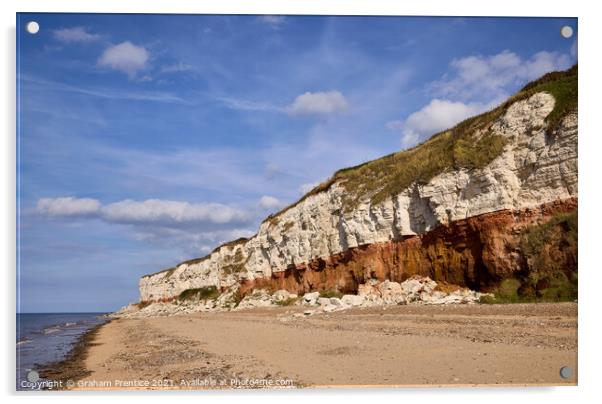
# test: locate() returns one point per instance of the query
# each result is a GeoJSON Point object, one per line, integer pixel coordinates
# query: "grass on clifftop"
{"type": "Point", "coordinates": [468, 145]}
{"type": "Point", "coordinates": [563, 86]}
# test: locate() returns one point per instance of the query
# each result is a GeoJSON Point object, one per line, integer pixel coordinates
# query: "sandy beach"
{"type": "Point", "coordinates": [518, 344]}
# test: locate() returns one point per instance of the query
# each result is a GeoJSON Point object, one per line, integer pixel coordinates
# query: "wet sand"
{"type": "Point", "coordinates": [517, 344]}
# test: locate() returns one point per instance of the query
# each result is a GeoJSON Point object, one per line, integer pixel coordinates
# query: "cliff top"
{"type": "Point", "coordinates": [468, 145]}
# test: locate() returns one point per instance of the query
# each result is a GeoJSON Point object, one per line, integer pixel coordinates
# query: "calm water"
{"type": "Point", "coordinates": [48, 337]}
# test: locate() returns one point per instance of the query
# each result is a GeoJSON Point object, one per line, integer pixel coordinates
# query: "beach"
{"type": "Point", "coordinates": [411, 345]}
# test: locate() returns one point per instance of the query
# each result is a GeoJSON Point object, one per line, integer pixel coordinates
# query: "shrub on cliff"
{"type": "Point", "coordinates": [550, 250]}
{"type": "Point", "coordinates": [508, 290]}
{"type": "Point", "coordinates": [287, 302]}
{"type": "Point", "coordinates": [331, 293]}
{"type": "Point", "coordinates": [206, 293]}
{"type": "Point", "coordinates": [142, 304]}
{"type": "Point", "coordinates": [550, 273]}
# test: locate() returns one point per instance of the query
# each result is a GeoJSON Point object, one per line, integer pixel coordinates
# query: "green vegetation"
{"type": "Point", "coordinates": [235, 298]}
{"type": "Point", "coordinates": [557, 288]}
{"type": "Point", "coordinates": [169, 272]}
{"type": "Point", "coordinates": [487, 300]}
{"type": "Point", "coordinates": [231, 269]}
{"type": "Point", "coordinates": [550, 250]}
{"type": "Point", "coordinates": [507, 291]}
{"type": "Point", "coordinates": [470, 145]}
{"type": "Point", "coordinates": [468, 154]}
{"type": "Point", "coordinates": [235, 265]}
{"type": "Point", "coordinates": [206, 293]}
{"type": "Point", "coordinates": [331, 293]}
{"type": "Point", "coordinates": [563, 86]}
{"type": "Point", "coordinates": [288, 302]}
{"type": "Point", "coordinates": [536, 237]}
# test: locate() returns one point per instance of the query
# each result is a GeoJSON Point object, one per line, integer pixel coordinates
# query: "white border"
{"type": "Point", "coordinates": [590, 147]}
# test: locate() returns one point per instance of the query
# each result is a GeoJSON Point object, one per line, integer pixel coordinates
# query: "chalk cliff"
{"type": "Point", "coordinates": [457, 208]}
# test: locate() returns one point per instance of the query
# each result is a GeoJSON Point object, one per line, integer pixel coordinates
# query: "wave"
{"type": "Point", "coordinates": [51, 330]}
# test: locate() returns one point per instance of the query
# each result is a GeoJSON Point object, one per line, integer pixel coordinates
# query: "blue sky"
{"type": "Point", "coordinates": [145, 140]}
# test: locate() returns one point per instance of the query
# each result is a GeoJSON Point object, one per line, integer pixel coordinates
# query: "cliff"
{"type": "Point", "coordinates": [459, 208]}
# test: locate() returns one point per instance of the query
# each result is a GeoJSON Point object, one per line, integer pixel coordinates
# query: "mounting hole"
{"type": "Point", "coordinates": [566, 32]}
{"type": "Point", "coordinates": [33, 376]}
{"type": "Point", "coordinates": [32, 27]}
{"type": "Point", "coordinates": [566, 372]}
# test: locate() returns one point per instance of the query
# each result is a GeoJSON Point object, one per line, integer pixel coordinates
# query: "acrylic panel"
{"type": "Point", "coordinates": [281, 201]}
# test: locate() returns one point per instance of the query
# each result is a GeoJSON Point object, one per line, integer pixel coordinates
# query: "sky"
{"type": "Point", "coordinates": [145, 140]}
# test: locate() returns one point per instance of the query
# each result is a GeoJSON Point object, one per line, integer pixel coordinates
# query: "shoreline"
{"type": "Point", "coordinates": [73, 367]}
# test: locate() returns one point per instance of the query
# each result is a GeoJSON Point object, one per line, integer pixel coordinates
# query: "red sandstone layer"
{"type": "Point", "coordinates": [477, 252]}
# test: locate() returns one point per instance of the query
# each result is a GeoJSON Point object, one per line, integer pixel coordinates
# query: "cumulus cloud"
{"type": "Point", "coordinates": [195, 228]}
{"type": "Point", "coordinates": [474, 85]}
{"type": "Point", "coordinates": [434, 117]}
{"type": "Point", "coordinates": [68, 206]}
{"type": "Point", "coordinates": [75, 34]}
{"type": "Point", "coordinates": [319, 103]}
{"type": "Point", "coordinates": [490, 75]}
{"type": "Point", "coordinates": [149, 212]}
{"type": "Point", "coordinates": [170, 212]}
{"type": "Point", "coordinates": [269, 202]}
{"type": "Point", "coordinates": [125, 57]}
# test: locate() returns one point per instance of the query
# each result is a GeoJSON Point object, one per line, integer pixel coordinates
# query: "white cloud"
{"type": "Point", "coordinates": [125, 57]}
{"type": "Point", "coordinates": [319, 103]}
{"type": "Point", "coordinates": [75, 34]}
{"type": "Point", "coordinates": [68, 206]}
{"type": "Point", "coordinates": [475, 84]}
{"type": "Point", "coordinates": [488, 76]}
{"type": "Point", "coordinates": [269, 202]}
{"type": "Point", "coordinates": [195, 228]}
{"type": "Point", "coordinates": [150, 211]}
{"type": "Point", "coordinates": [174, 212]}
{"type": "Point", "coordinates": [434, 117]}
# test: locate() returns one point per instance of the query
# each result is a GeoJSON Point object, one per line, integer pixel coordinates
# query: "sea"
{"type": "Point", "coordinates": [44, 338]}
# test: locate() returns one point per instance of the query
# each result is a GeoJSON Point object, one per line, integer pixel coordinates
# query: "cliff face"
{"type": "Point", "coordinates": [462, 224]}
